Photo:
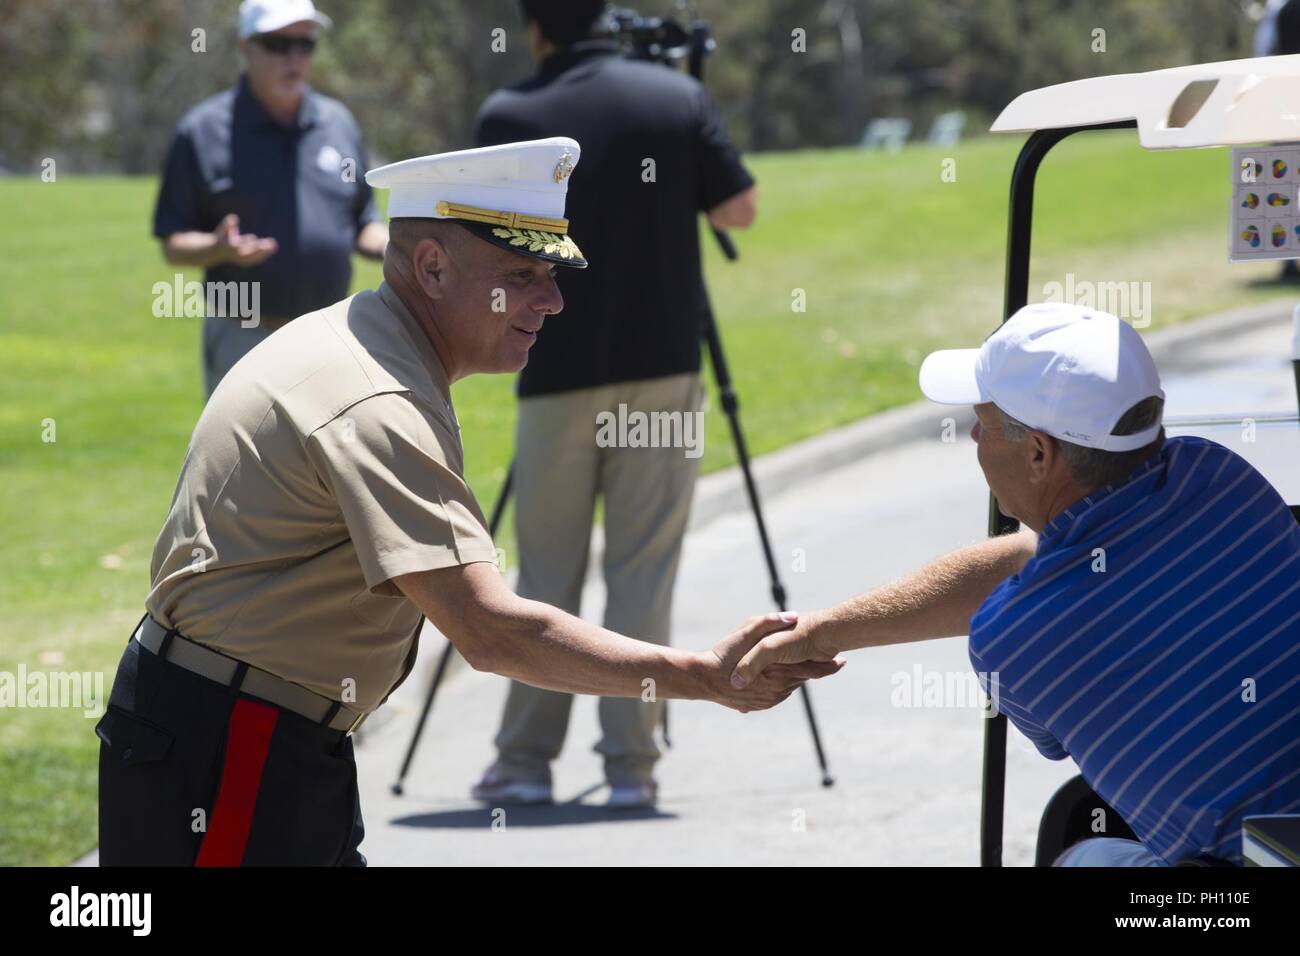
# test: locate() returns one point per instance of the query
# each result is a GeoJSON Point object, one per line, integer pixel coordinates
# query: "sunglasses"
{"type": "Point", "coordinates": [282, 44]}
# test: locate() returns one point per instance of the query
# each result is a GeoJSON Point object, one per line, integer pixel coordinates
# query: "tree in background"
{"type": "Point", "coordinates": [99, 84]}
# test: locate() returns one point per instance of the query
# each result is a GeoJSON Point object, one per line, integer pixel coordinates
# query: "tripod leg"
{"type": "Point", "coordinates": [424, 715]}
{"type": "Point", "coordinates": [827, 779]}
{"type": "Point", "coordinates": [499, 508]}
{"type": "Point", "coordinates": [497, 511]}
{"type": "Point", "coordinates": [731, 405]}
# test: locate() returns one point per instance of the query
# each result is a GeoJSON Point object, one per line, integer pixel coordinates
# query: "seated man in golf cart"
{"type": "Point", "coordinates": [1146, 626]}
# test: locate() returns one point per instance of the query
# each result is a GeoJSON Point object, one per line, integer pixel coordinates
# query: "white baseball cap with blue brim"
{"type": "Point", "coordinates": [267, 16]}
{"type": "Point", "coordinates": [1063, 369]}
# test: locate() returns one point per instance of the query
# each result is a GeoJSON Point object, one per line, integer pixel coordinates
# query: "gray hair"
{"type": "Point", "coordinates": [1093, 468]}
{"type": "Point", "coordinates": [406, 233]}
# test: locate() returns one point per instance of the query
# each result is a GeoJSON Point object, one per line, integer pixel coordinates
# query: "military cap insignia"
{"type": "Point", "coordinates": [564, 167]}
{"type": "Point", "coordinates": [547, 242]}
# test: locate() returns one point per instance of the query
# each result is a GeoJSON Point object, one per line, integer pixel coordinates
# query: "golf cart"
{"type": "Point", "coordinates": [1240, 103]}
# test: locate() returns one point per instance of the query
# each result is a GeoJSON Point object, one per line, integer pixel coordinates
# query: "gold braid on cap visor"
{"type": "Point", "coordinates": [511, 220]}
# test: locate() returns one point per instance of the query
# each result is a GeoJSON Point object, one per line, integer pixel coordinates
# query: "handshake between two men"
{"type": "Point", "coordinates": [496, 630]}
{"type": "Point", "coordinates": [755, 667]}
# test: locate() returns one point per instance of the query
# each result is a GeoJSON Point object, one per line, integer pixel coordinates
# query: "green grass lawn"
{"type": "Point", "coordinates": [892, 262]}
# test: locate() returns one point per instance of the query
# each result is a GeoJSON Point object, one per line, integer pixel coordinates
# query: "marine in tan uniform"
{"type": "Point", "coordinates": [322, 512]}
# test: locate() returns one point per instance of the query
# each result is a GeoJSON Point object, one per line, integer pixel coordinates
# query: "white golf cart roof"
{"type": "Point", "coordinates": [1236, 102]}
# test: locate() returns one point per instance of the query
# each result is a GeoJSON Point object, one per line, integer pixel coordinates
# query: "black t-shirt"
{"type": "Point", "coordinates": [303, 185]}
{"type": "Point", "coordinates": [637, 311]}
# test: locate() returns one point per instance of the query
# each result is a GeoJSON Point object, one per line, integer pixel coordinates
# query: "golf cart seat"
{"type": "Point", "coordinates": [1271, 840]}
{"type": "Point", "coordinates": [1069, 817]}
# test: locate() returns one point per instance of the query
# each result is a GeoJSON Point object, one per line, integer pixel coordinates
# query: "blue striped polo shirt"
{"type": "Point", "coordinates": [1155, 638]}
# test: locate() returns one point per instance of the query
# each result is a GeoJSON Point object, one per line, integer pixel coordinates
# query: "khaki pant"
{"type": "Point", "coordinates": [560, 469]}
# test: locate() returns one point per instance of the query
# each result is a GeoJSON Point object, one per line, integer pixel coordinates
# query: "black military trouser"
{"type": "Point", "coordinates": [192, 774]}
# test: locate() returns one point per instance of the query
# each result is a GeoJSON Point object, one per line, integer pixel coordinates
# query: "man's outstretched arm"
{"type": "Point", "coordinates": [936, 601]}
{"type": "Point", "coordinates": [496, 630]}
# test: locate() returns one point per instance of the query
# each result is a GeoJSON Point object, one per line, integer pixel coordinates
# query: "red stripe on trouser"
{"type": "Point", "coordinates": [248, 738]}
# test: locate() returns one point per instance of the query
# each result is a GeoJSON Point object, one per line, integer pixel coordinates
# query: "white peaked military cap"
{"type": "Point", "coordinates": [511, 195]}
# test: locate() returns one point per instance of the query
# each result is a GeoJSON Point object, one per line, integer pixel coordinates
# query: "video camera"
{"type": "Point", "coordinates": [659, 39]}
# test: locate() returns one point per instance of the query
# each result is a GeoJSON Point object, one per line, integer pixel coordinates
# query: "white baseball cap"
{"type": "Point", "coordinates": [1059, 368]}
{"type": "Point", "coordinates": [512, 195]}
{"type": "Point", "coordinates": [267, 16]}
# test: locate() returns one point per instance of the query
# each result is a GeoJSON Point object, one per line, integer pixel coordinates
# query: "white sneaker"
{"type": "Point", "coordinates": [633, 796]}
{"type": "Point", "coordinates": [497, 789]}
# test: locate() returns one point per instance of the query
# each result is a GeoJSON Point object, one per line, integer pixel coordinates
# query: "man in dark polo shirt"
{"type": "Point", "coordinates": [263, 184]}
{"type": "Point", "coordinates": [655, 155]}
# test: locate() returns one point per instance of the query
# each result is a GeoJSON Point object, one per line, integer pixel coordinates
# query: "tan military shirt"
{"type": "Point", "coordinates": [327, 462]}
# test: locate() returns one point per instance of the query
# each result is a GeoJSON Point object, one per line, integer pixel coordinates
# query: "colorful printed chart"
{"type": "Point", "coordinates": [1266, 203]}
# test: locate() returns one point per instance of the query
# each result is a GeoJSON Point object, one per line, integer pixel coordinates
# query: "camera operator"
{"type": "Point", "coordinates": [654, 155]}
